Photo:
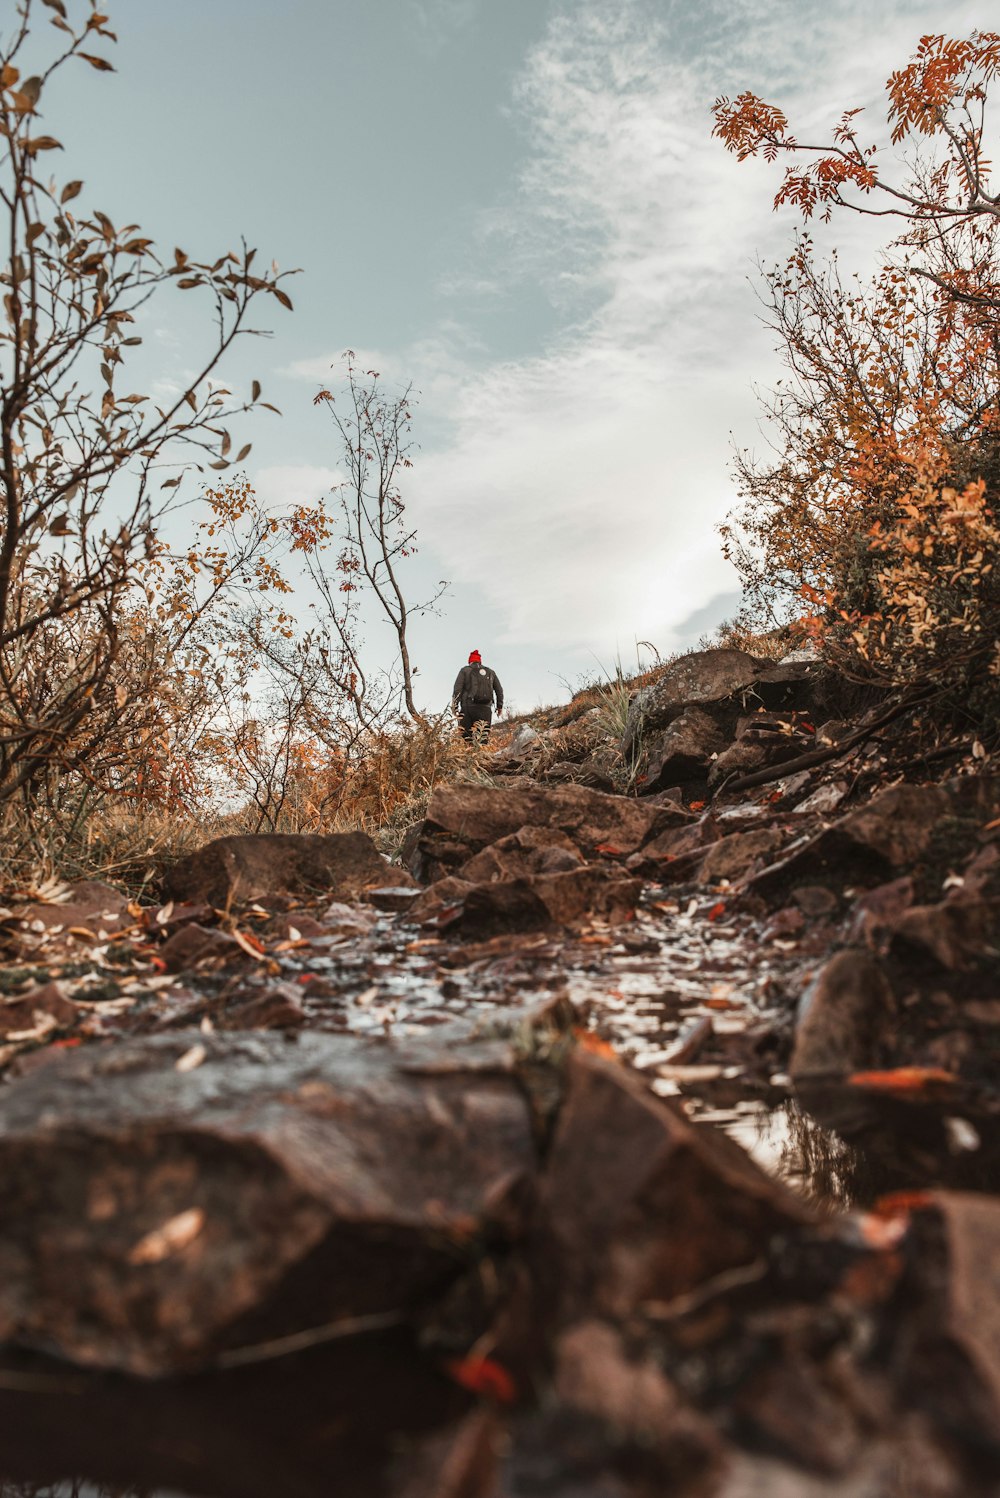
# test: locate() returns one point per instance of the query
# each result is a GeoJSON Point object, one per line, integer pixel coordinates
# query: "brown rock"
{"type": "Point", "coordinates": [956, 933]}
{"type": "Point", "coordinates": [894, 830]}
{"type": "Point", "coordinates": [277, 1007]}
{"type": "Point", "coordinates": [638, 1205]}
{"type": "Point", "coordinates": [262, 868]}
{"type": "Point", "coordinates": [741, 758]}
{"type": "Point", "coordinates": [151, 1215]}
{"type": "Point", "coordinates": [531, 850]}
{"type": "Point", "coordinates": [815, 900]}
{"type": "Point", "coordinates": [90, 905]}
{"type": "Point", "coordinates": [192, 944]}
{"type": "Point", "coordinates": [532, 902]}
{"type": "Point", "coordinates": [971, 1226]}
{"type": "Point", "coordinates": [788, 1408]}
{"type": "Point", "coordinates": [37, 1008]}
{"type": "Point", "coordinates": [703, 676]}
{"type": "Point", "coordinates": [876, 912]}
{"type": "Point", "coordinates": [682, 751]}
{"type": "Point", "coordinates": [676, 843]}
{"type": "Point", "coordinates": [844, 1018]}
{"type": "Point", "coordinates": [463, 819]}
{"type": "Point", "coordinates": [733, 856]}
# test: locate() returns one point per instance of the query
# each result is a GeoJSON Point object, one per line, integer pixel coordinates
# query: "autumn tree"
{"type": "Point", "coordinates": [877, 507]}
{"type": "Point", "coordinates": [88, 462]}
{"type": "Point", "coordinates": [374, 428]}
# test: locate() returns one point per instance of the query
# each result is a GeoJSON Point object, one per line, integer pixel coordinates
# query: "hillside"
{"type": "Point", "coordinates": [635, 1128]}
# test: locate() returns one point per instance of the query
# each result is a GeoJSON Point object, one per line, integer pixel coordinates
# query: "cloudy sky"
{"type": "Point", "coordinates": [518, 206]}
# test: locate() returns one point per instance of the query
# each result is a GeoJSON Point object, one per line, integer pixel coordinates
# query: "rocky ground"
{"type": "Point", "coordinates": [605, 1144]}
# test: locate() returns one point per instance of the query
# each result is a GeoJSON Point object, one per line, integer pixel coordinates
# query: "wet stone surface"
{"type": "Point", "coordinates": [652, 1020]}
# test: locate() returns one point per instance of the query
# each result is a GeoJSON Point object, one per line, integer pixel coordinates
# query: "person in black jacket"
{"type": "Point", "coordinates": [472, 697]}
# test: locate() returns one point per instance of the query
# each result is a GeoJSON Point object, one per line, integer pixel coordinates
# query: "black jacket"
{"type": "Point", "coordinates": [463, 685]}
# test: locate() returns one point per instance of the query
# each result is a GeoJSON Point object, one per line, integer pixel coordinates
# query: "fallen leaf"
{"type": "Point", "coordinates": [190, 1059]}
{"type": "Point", "coordinates": [169, 1239]}
{"type": "Point", "coordinates": [483, 1376]}
{"type": "Point", "coordinates": [913, 1079]}
{"type": "Point", "coordinates": [588, 1041]}
{"type": "Point", "coordinates": [719, 908]}
{"type": "Point", "coordinates": [250, 944]}
{"type": "Point", "coordinates": [902, 1203]}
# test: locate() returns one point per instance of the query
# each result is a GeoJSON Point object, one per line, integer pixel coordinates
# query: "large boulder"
{"type": "Point", "coordinates": [683, 751]}
{"type": "Point", "coordinates": [897, 828]}
{"type": "Point", "coordinates": [637, 1205]}
{"type": "Point", "coordinates": [845, 1018]}
{"type": "Point", "coordinates": [461, 820]}
{"type": "Point", "coordinates": [183, 1194]}
{"type": "Point", "coordinates": [701, 677]}
{"type": "Point", "coordinates": [268, 866]}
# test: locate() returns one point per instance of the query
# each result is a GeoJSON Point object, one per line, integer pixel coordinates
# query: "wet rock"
{"type": "Point", "coordinates": [597, 1375]}
{"type": "Point", "coordinates": [463, 819]}
{"type": "Point", "coordinates": [844, 1018]}
{"type": "Point", "coordinates": [276, 1007]}
{"type": "Point", "coordinates": [733, 856]}
{"type": "Point", "coordinates": [44, 1008]}
{"type": "Point", "coordinates": [894, 830]}
{"type": "Point", "coordinates": [958, 934]}
{"type": "Point", "coordinates": [192, 944]}
{"type": "Point", "coordinates": [506, 905]}
{"type": "Point", "coordinates": [393, 897]}
{"type": "Point", "coordinates": [529, 903]}
{"type": "Point", "coordinates": [701, 677]}
{"type": "Point", "coordinates": [638, 1205]}
{"type": "Point", "coordinates": [175, 1195]}
{"type": "Point", "coordinates": [741, 758]}
{"type": "Point", "coordinates": [967, 1310]}
{"type": "Point", "coordinates": [825, 799]}
{"type": "Point", "coordinates": [876, 912]}
{"type": "Point", "coordinates": [267, 866]}
{"type": "Point", "coordinates": [531, 850]}
{"type": "Point", "coordinates": [346, 920]}
{"type": "Point", "coordinates": [442, 900]}
{"type": "Point", "coordinates": [682, 751]}
{"type": "Point", "coordinates": [815, 901]}
{"type": "Point", "coordinates": [788, 1407]}
{"type": "Point", "coordinates": [90, 906]}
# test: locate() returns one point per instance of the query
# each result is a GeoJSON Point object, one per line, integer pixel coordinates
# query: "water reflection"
{"type": "Point", "coordinates": [890, 1145]}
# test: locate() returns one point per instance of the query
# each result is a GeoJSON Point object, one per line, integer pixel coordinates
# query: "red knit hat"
{"type": "Point", "coordinates": [474, 656]}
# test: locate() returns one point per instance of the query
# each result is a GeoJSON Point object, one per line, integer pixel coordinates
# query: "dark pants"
{"type": "Point", "coordinates": [476, 717]}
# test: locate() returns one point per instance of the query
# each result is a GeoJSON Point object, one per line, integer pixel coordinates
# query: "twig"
{"type": "Point", "coordinates": [822, 756]}
{"type": "Point", "coordinates": [316, 1336]}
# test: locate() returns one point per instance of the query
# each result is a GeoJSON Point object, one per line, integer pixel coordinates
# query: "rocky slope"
{"type": "Point", "coordinates": [463, 1128]}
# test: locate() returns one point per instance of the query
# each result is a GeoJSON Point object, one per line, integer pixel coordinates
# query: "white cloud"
{"type": "Point", "coordinates": [284, 485]}
{"type": "Point", "coordinates": [580, 487]}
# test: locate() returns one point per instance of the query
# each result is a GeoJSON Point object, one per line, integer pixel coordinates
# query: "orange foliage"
{"type": "Point", "coordinates": [879, 512]}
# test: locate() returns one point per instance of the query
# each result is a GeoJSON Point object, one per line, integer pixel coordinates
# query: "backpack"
{"type": "Point", "coordinates": [480, 688]}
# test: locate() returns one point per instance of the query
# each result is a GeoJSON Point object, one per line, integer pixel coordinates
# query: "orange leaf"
{"type": "Point", "coordinates": [609, 848]}
{"type": "Point", "coordinates": [483, 1376]}
{"type": "Point", "coordinates": [902, 1203]}
{"type": "Point", "coordinates": [588, 1041]}
{"type": "Point", "coordinates": [915, 1079]}
{"type": "Point", "coordinates": [717, 909]}
{"type": "Point", "coordinates": [696, 806]}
